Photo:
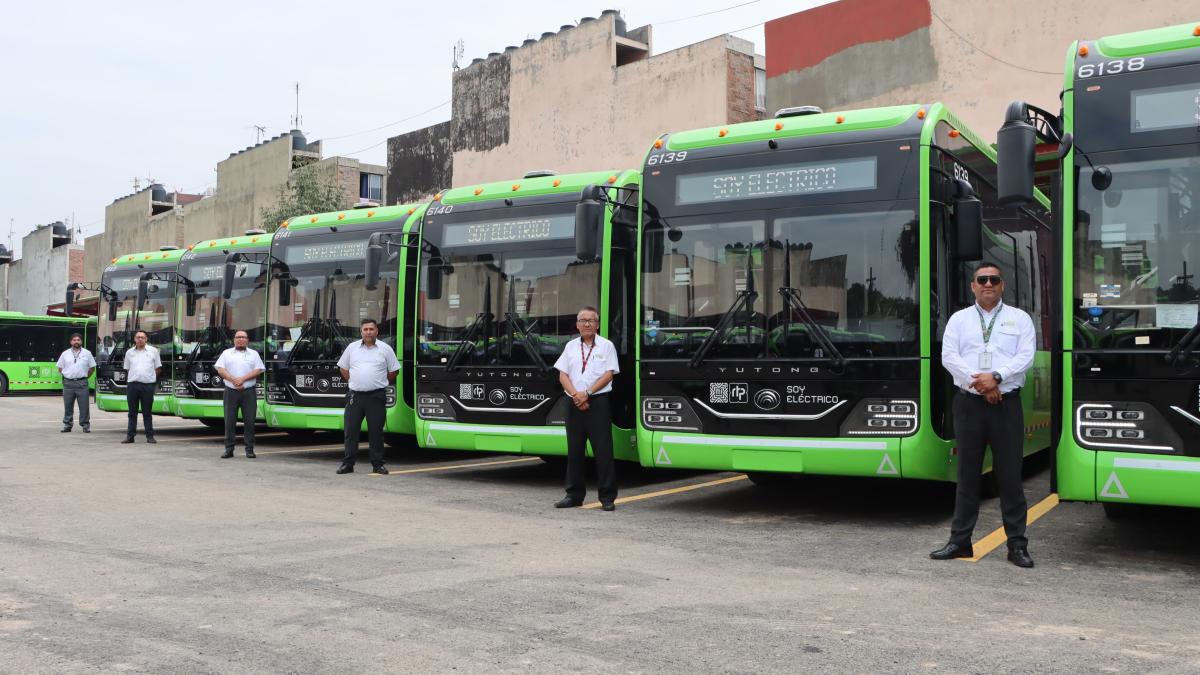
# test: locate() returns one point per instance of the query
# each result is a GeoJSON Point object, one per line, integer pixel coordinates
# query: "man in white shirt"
{"type": "Point", "coordinates": [368, 366]}
{"type": "Point", "coordinates": [239, 366]}
{"type": "Point", "coordinates": [76, 365]}
{"type": "Point", "coordinates": [585, 371]}
{"type": "Point", "coordinates": [142, 368]}
{"type": "Point", "coordinates": [987, 348]}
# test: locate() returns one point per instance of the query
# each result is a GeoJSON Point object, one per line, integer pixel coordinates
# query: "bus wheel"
{"type": "Point", "coordinates": [400, 441]}
{"type": "Point", "coordinates": [212, 423]}
{"type": "Point", "coordinates": [3, 384]}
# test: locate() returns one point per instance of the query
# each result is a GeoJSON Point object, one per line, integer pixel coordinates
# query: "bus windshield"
{"type": "Point", "coordinates": [779, 278]}
{"type": "Point", "coordinates": [504, 304]}
{"type": "Point", "coordinates": [1136, 250]}
{"type": "Point", "coordinates": [206, 320]}
{"type": "Point", "coordinates": [154, 317]}
{"type": "Point", "coordinates": [326, 298]}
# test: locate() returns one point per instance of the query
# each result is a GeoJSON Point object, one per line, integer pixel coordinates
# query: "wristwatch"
{"type": "Point", "coordinates": [997, 377]}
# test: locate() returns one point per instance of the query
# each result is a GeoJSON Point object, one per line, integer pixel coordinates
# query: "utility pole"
{"type": "Point", "coordinates": [296, 119]}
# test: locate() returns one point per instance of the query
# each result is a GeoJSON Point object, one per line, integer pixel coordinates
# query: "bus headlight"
{"type": "Point", "coordinates": [1132, 426]}
{"type": "Point", "coordinates": [881, 417]}
{"type": "Point", "coordinates": [669, 412]}
{"type": "Point", "coordinates": [434, 407]}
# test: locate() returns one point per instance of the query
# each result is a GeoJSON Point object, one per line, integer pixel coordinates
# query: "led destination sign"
{"type": "Point", "coordinates": [776, 181]}
{"type": "Point", "coordinates": [123, 283]}
{"type": "Point", "coordinates": [506, 231]}
{"type": "Point", "coordinates": [1176, 107]}
{"type": "Point", "coordinates": [330, 251]}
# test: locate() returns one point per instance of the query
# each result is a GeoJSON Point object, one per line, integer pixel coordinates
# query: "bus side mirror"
{"type": "Point", "coordinates": [112, 310]}
{"type": "Point", "coordinates": [1016, 143]}
{"type": "Point", "coordinates": [589, 222]}
{"type": "Point", "coordinates": [227, 278]}
{"type": "Point", "coordinates": [968, 224]}
{"type": "Point", "coordinates": [143, 291]}
{"type": "Point", "coordinates": [653, 248]}
{"type": "Point", "coordinates": [70, 301]}
{"type": "Point", "coordinates": [285, 291]}
{"type": "Point", "coordinates": [190, 300]}
{"type": "Point", "coordinates": [433, 281]}
{"type": "Point", "coordinates": [374, 261]}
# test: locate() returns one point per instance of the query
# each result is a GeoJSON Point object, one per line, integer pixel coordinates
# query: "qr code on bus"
{"type": "Point", "coordinates": [718, 392]}
{"type": "Point", "coordinates": [464, 391]}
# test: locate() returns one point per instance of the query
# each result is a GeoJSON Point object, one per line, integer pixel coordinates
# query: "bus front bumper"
{"type": "Point", "coordinates": [827, 456]}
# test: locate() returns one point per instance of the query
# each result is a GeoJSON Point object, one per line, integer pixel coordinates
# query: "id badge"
{"type": "Point", "coordinates": [985, 361]}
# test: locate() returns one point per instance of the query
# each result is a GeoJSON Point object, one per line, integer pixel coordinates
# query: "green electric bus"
{"type": "Point", "coordinates": [137, 292]}
{"type": "Point", "coordinates": [1128, 180]}
{"type": "Point", "coordinates": [796, 276]}
{"type": "Point", "coordinates": [317, 296]}
{"type": "Point", "coordinates": [505, 267]}
{"type": "Point", "coordinates": [30, 347]}
{"type": "Point", "coordinates": [209, 308]}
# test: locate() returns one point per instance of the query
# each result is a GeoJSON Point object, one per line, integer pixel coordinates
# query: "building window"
{"type": "Point", "coordinates": [370, 186]}
{"type": "Point", "coordinates": [760, 88]}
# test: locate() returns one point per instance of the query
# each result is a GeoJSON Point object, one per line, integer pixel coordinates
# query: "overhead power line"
{"type": "Point", "coordinates": [993, 57]}
{"type": "Point", "coordinates": [389, 124]}
{"type": "Point", "coordinates": [715, 11]}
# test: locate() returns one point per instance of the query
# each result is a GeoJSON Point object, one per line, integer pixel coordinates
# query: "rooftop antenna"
{"type": "Point", "coordinates": [259, 132]}
{"type": "Point", "coordinates": [459, 49]}
{"type": "Point", "coordinates": [296, 119]}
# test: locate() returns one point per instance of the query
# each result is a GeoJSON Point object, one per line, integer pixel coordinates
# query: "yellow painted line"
{"type": "Point", "coordinates": [293, 451]}
{"type": "Point", "coordinates": [672, 491]}
{"type": "Point", "coordinates": [459, 466]}
{"type": "Point", "coordinates": [996, 537]}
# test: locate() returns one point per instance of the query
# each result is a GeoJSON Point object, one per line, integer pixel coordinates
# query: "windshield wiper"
{"type": "Point", "coordinates": [481, 320]}
{"type": "Point", "coordinates": [215, 335]}
{"type": "Point", "coordinates": [791, 298]}
{"type": "Point", "coordinates": [527, 339]}
{"type": "Point", "coordinates": [1183, 349]}
{"type": "Point", "coordinates": [745, 298]}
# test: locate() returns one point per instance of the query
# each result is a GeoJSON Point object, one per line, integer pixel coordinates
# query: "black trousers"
{"type": "Point", "coordinates": [140, 394]}
{"type": "Point", "coordinates": [246, 402]}
{"type": "Point", "coordinates": [977, 424]}
{"type": "Point", "coordinates": [373, 406]}
{"type": "Point", "coordinates": [595, 425]}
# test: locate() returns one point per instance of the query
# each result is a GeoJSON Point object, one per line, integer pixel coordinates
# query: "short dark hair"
{"type": "Point", "coordinates": [135, 333]}
{"type": "Point", "coordinates": [985, 265]}
{"type": "Point", "coordinates": [73, 336]}
{"type": "Point", "coordinates": [589, 308]}
{"type": "Point", "coordinates": [241, 331]}
{"type": "Point", "coordinates": [367, 321]}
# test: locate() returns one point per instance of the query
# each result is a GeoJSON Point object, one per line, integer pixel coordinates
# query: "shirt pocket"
{"type": "Point", "coordinates": [1007, 338]}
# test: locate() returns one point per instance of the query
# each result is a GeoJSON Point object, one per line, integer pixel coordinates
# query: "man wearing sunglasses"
{"type": "Point", "coordinates": [585, 371]}
{"type": "Point", "coordinates": [987, 348]}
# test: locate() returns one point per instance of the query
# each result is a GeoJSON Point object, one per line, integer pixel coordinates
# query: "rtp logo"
{"type": "Point", "coordinates": [739, 392]}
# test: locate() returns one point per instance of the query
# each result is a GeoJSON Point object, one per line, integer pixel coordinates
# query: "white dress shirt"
{"type": "Point", "coordinates": [239, 363]}
{"type": "Point", "coordinates": [140, 364]}
{"type": "Point", "coordinates": [1012, 345]}
{"type": "Point", "coordinates": [368, 366]}
{"type": "Point", "coordinates": [600, 359]}
{"type": "Point", "coordinates": [75, 363]}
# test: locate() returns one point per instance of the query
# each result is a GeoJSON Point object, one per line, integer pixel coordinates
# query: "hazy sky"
{"type": "Point", "coordinates": [95, 94]}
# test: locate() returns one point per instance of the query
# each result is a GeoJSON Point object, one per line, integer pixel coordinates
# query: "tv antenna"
{"type": "Point", "coordinates": [459, 49]}
{"type": "Point", "coordinates": [137, 182]}
{"type": "Point", "coordinates": [296, 119]}
{"type": "Point", "coordinates": [259, 132]}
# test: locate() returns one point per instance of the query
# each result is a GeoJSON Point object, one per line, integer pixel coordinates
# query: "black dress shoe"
{"type": "Point", "coordinates": [65, 430]}
{"type": "Point", "coordinates": [227, 455]}
{"type": "Point", "coordinates": [950, 551]}
{"type": "Point", "coordinates": [608, 506]}
{"type": "Point", "coordinates": [250, 453]}
{"type": "Point", "coordinates": [346, 468]}
{"type": "Point", "coordinates": [381, 470]}
{"type": "Point", "coordinates": [87, 430]}
{"type": "Point", "coordinates": [150, 439]}
{"type": "Point", "coordinates": [128, 439]}
{"type": "Point", "coordinates": [1019, 556]}
{"type": "Point", "coordinates": [567, 503]}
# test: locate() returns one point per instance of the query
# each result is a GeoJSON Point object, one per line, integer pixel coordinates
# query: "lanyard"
{"type": "Point", "coordinates": [987, 330]}
{"type": "Point", "coordinates": [585, 358]}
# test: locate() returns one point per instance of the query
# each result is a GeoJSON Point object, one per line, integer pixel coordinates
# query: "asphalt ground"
{"type": "Point", "coordinates": [164, 558]}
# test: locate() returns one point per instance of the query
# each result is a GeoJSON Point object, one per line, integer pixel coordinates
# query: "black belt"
{"type": "Point", "coordinates": [74, 379]}
{"type": "Point", "coordinates": [369, 391]}
{"type": "Point", "coordinates": [1012, 394]}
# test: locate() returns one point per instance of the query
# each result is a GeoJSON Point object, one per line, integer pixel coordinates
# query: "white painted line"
{"type": "Point", "coordinates": [801, 444]}
{"type": "Point", "coordinates": [1157, 464]}
{"type": "Point", "coordinates": [505, 431]}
